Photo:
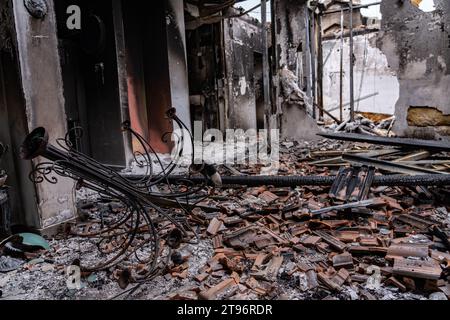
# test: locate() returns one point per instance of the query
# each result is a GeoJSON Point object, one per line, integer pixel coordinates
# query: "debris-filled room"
{"type": "Point", "coordinates": [254, 150]}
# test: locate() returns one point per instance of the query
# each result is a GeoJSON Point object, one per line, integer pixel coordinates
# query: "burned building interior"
{"type": "Point", "coordinates": [105, 104]}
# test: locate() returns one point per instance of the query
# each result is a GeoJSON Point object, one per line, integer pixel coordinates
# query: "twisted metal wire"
{"type": "Point", "coordinates": [134, 233]}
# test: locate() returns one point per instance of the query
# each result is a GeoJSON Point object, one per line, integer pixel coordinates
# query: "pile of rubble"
{"type": "Point", "coordinates": [379, 127]}
{"type": "Point", "coordinates": [350, 241]}
{"type": "Point", "coordinates": [354, 240]}
{"type": "Point", "coordinates": [270, 236]}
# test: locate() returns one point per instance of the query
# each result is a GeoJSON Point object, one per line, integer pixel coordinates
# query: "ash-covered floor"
{"type": "Point", "coordinates": [271, 242]}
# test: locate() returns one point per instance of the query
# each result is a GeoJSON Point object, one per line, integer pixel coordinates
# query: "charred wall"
{"type": "Point", "coordinates": [206, 74]}
{"type": "Point", "coordinates": [291, 51]}
{"type": "Point", "coordinates": [225, 72]}
{"type": "Point", "coordinates": [417, 46]}
{"type": "Point", "coordinates": [31, 95]}
{"type": "Point", "coordinates": [177, 58]}
{"type": "Point", "coordinates": [13, 123]}
{"type": "Point", "coordinates": [242, 41]}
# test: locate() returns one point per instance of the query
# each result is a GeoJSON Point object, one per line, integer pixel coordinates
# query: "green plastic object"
{"type": "Point", "coordinates": [32, 239]}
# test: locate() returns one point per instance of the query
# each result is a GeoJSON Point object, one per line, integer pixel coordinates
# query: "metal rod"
{"type": "Point", "coordinates": [319, 66]}
{"type": "Point", "coordinates": [313, 61]}
{"type": "Point", "coordinates": [322, 110]}
{"type": "Point", "coordinates": [356, 100]}
{"type": "Point", "coordinates": [266, 83]}
{"type": "Point", "coordinates": [341, 75]}
{"type": "Point", "coordinates": [309, 55]}
{"type": "Point", "coordinates": [352, 97]}
{"type": "Point", "coordinates": [359, 204]}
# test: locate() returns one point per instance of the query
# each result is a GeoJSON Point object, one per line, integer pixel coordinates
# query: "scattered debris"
{"type": "Point", "coordinates": [348, 239]}
{"type": "Point", "coordinates": [407, 143]}
{"type": "Point", "coordinates": [8, 264]}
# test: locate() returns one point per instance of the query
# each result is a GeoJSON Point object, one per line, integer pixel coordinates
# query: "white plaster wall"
{"type": "Point", "coordinates": [372, 75]}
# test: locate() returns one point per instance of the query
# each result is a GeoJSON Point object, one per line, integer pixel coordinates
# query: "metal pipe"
{"type": "Point", "coordinates": [294, 181]}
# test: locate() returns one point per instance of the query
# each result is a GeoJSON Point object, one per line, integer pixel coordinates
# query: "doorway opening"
{"type": "Point", "coordinates": [90, 78]}
{"type": "Point", "coordinates": [148, 79]}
